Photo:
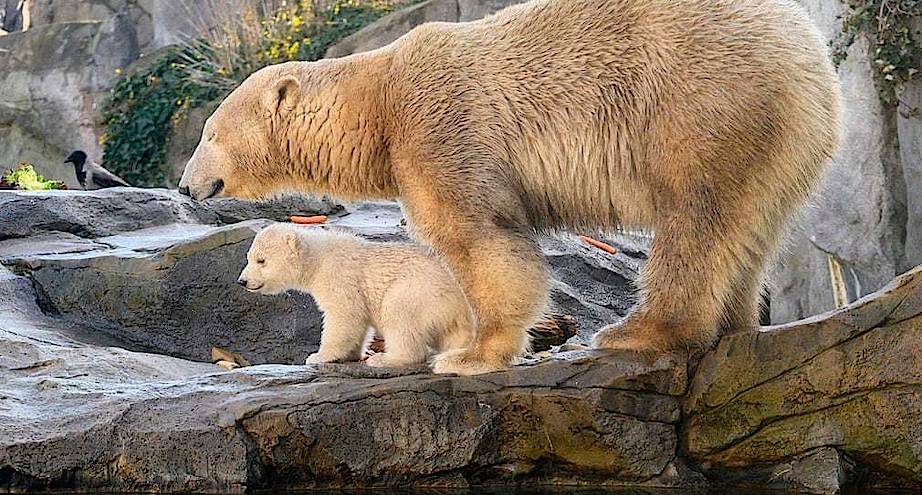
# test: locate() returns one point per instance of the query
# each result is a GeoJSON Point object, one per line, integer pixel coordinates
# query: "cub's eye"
{"type": "Point", "coordinates": [212, 136]}
{"type": "Point", "coordinates": [260, 262]}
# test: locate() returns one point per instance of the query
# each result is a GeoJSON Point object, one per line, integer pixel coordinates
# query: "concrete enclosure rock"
{"type": "Point", "coordinates": [95, 393]}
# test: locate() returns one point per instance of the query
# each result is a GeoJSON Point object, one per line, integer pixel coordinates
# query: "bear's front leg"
{"type": "Point", "coordinates": [505, 281]}
{"type": "Point", "coordinates": [475, 219]}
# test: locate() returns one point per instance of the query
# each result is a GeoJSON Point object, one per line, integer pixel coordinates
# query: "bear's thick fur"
{"type": "Point", "coordinates": [707, 121]}
{"type": "Point", "coordinates": [399, 290]}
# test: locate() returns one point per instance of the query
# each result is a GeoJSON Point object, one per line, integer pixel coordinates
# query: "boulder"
{"type": "Point", "coordinates": [850, 380]}
{"type": "Point", "coordinates": [471, 10]}
{"type": "Point", "coordinates": [393, 26]}
{"type": "Point", "coordinates": [106, 383]}
{"type": "Point", "coordinates": [107, 212]}
{"type": "Point", "coordinates": [119, 262]}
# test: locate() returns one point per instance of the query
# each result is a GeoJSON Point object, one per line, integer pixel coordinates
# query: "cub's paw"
{"type": "Point", "coordinates": [317, 358]}
{"type": "Point", "coordinates": [463, 362]}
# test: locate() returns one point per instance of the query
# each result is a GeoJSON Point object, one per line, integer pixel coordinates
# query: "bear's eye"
{"type": "Point", "coordinates": [212, 136]}
{"type": "Point", "coordinates": [261, 261]}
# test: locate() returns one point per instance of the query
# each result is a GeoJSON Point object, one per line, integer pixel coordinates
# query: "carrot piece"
{"type": "Point", "coordinates": [599, 244]}
{"type": "Point", "coordinates": [308, 220]}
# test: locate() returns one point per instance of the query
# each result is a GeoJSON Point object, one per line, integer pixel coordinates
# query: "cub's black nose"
{"type": "Point", "coordinates": [242, 281]}
{"type": "Point", "coordinates": [184, 190]}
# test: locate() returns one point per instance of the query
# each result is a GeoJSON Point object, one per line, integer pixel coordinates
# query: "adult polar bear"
{"type": "Point", "coordinates": [708, 121]}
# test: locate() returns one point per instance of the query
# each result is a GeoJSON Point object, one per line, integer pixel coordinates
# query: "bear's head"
{"type": "Point", "coordinates": [293, 127]}
{"type": "Point", "coordinates": [235, 155]}
{"type": "Point", "coordinates": [275, 261]}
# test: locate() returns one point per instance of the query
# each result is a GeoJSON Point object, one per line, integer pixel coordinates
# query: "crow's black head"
{"type": "Point", "coordinates": [78, 158]}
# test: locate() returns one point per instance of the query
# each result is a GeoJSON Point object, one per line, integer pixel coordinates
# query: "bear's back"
{"type": "Point", "coordinates": [566, 96]}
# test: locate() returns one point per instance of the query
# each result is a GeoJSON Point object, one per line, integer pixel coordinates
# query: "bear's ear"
{"type": "Point", "coordinates": [291, 239]}
{"type": "Point", "coordinates": [284, 95]}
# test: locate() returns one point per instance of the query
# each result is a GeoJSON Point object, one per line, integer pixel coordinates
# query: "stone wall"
{"type": "Point", "coordinates": [868, 214]}
{"type": "Point", "coordinates": [51, 91]}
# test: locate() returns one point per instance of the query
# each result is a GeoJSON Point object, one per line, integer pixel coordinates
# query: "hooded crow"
{"type": "Point", "coordinates": [92, 175]}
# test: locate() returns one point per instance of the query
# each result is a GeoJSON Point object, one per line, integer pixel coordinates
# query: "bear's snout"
{"type": "Point", "coordinates": [245, 283]}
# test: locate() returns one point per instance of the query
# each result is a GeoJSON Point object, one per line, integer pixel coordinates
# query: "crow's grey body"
{"type": "Point", "coordinates": [92, 175]}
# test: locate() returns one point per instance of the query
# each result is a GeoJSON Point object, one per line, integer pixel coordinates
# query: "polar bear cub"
{"type": "Point", "coordinates": [400, 290]}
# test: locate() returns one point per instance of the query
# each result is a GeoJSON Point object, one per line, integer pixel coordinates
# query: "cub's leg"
{"type": "Point", "coordinates": [684, 286]}
{"type": "Point", "coordinates": [343, 336]}
{"type": "Point", "coordinates": [404, 343]}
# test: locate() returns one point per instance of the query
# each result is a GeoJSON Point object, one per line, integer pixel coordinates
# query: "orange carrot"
{"type": "Point", "coordinates": [599, 244]}
{"type": "Point", "coordinates": [308, 220]}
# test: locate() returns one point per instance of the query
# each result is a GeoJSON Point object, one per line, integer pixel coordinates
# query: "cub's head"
{"type": "Point", "coordinates": [239, 151]}
{"type": "Point", "coordinates": [274, 261]}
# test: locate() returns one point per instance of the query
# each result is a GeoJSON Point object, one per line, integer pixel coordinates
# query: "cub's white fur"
{"type": "Point", "coordinates": [400, 290]}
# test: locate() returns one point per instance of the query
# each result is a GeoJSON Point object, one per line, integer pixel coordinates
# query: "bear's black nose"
{"type": "Point", "coordinates": [184, 190]}
{"type": "Point", "coordinates": [242, 281]}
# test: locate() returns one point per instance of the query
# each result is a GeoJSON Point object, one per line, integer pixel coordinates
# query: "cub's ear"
{"type": "Point", "coordinates": [284, 95]}
{"type": "Point", "coordinates": [291, 239]}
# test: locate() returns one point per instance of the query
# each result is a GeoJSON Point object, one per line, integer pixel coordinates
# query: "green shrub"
{"type": "Point", "coordinates": [25, 178]}
{"type": "Point", "coordinates": [139, 112]}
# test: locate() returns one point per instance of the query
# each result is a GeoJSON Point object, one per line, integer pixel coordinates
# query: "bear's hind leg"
{"type": "Point", "coordinates": [742, 306]}
{"type": "Point", "coordinates": [683, 285]}
{"type": "Point", "coordinates": [744, 302]}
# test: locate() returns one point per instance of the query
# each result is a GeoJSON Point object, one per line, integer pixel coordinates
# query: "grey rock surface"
{"type": "Point", "coordinates": [395, 25]}
{"type": "Point", "coordinates": [108, 212]}
{"type": "Point", "coordinates": [135, 15]}
{"type": "Point", "coordinates": [93, 396]}
{"type": "Point", "coordinates": [128, 264]}
{"type": "Point", "coordinates": [471, 10]}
